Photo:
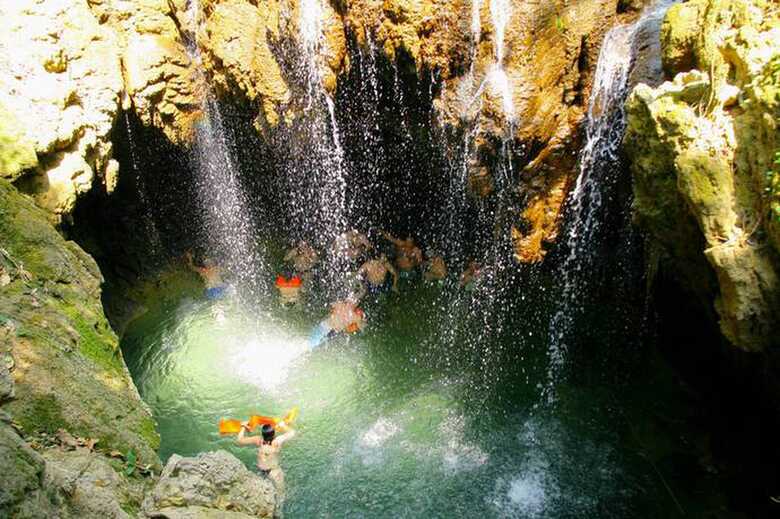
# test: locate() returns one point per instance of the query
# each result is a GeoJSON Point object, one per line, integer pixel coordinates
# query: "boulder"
{"type": "Point", "coordinates": [213, 480]}
{"type": "Point", "coordinates": [91, 486]}
{"type": "Point", "coordinates": [23, 489]}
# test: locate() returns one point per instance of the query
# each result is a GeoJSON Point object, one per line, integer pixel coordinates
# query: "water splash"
{"type": "Point", "coordinates": [600, 169]}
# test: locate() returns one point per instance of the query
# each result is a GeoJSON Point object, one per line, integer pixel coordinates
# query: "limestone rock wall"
{"type": "Point", "coordinates": [64, 359]}
{"type": "Point", "coordinates": [60, 79]}
{"type": "Point", "coordinates": [66, 69]}
{"type": "Point", "coordinates": [703, 148]}
{"type": "Point", "coordinates": [84, 61]}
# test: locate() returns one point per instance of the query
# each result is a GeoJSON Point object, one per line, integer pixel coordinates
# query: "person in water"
{"type": "Point", "coordinates": [269, 446]}
{"type": "Point", "coordinates": [435, 269]}
{"type": "Point", "coordinates": [289, 290]}
{"type": "Point", "coordinates": [470, 276]}
{"type": "Point", "coordinates": [352, 245]}
{"type": "Point", "coordinates": [344, 317]}
{"type": "Point", "coordinates": [302, 257]}
{"type": "Point", "coordinates": [210, 273]}
{"type": "Point", "coordinates": [374, 272]}
{"type": "Point", "coordinates": [408, 254]}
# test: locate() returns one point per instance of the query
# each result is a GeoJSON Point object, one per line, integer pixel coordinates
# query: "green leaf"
{"type": "Point", "coordinates": [130, 463]}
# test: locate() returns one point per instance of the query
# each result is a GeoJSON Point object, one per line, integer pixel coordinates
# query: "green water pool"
{"type": "Point", "coordinates": [434, 411]}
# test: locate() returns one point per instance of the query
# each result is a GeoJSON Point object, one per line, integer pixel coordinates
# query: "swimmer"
{"type": "Point", "coordinates": [470, 276]}
{"type": "Point", "coordinates": [303, 257]}
{"type": "Point", "coordinates": [408, 254]}
{"type": "Point", "coordinates": [352, 245]}
{"type": "Point", "coordinates": [345, 317]}
{"type": "Point", "coordinates": [268, 447]}
{"type": "Point", "coordinates": [210, 273]}
{"type": "Point", "coordinates": [289, 290]}
{"type": "Point", "coordinates": [435, 269]}
{"type": "Point", "coordinates": [375, 272]}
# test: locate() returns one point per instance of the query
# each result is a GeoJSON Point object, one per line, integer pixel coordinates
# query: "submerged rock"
{"type": "Point", "coordinates": [215, 481]}
{"type": "Point", "coordinates": [702, 148]}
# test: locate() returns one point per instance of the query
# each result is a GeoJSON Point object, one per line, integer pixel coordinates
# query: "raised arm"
{"type": "Point", "coordinates": [279, 440]}
{"type": "Point", "coordinates": [242, 440]}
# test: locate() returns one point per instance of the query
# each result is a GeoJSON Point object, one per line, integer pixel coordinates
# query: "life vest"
{"type": "Point", "coordinates": [353, 326]}
{"type": "Point", "coordinates": [293, 282]}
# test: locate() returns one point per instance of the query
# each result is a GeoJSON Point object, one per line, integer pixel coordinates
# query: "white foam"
{"type": "Point", "coordinates": [527, 493]}
{"type": "Point", "coordinates": [382, 430]}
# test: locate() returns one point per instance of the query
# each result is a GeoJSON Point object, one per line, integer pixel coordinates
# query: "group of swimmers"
{"type": "Point", "coordinates": [363, 268]}
{"type": "Point", "coordinates": [366, 271]}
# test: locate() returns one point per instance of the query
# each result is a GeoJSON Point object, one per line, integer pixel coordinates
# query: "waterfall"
{"type": "Point", "coordinates": [228, 221]}
{"type": "Point", "coordinates": [226, 214]}
{"type": "Point", "coordinates": [311, 41]}
{"type": "Point", "coordinates": [600, 170]}
{"type": "Point", "coordinates": [323, 158]}
{"type": "Point", "coordinates": [496, 79]}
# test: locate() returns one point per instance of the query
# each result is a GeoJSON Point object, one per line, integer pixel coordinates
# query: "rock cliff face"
{"type": "Point", "coordinates": [64, 369]}
{"type": "Point", "coordinates": [505, 71]}
{"type": "Point", "coordinates": [66, 68]}
{"type": "Point", "coordinates": [703, 148]}
{"type": "Point", "coordinates": [65, 361]}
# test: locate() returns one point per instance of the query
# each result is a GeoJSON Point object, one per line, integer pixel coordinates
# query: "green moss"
{"type": "Point", "coordinates": [43, 414]}
{"type": "Point", "coordinates": [96, 342]}
{"type": "Point", "coordinates": [148, 431]}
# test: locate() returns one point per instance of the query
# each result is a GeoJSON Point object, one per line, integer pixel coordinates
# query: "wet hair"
{"type": "Point", "coordinates": [268, 433]}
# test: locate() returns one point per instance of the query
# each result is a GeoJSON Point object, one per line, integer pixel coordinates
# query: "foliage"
{"type": "Point", "coordinates": [130, 460]}
{"type": "Point", "coordinates": [560, 24]}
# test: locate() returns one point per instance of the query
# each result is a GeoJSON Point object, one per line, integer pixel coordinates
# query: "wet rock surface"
{"type": "Point", "coordinates": [524, 81]}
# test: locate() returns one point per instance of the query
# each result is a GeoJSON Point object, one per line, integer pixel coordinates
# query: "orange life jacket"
{"type": "Point", "coordinates": [293, 282]}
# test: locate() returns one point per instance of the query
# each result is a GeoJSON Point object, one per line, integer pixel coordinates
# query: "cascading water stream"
{"type": "Point", "coordinates": [227, 220]}
{"type": "Point", "coordinates": [600, 169]}
{"type": "Point", "coordinates": [313, 49]}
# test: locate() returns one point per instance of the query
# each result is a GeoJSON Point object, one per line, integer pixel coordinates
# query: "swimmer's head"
{"type": "Point", "coordinates": [268, 433]}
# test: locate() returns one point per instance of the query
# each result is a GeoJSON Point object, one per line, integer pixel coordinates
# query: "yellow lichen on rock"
{"type": "Point", "coordinates": [161, 80]}
{"type": "Point", "coordinates": [701, 147]}
{"type": "Point", "coordinates": [238, 58]}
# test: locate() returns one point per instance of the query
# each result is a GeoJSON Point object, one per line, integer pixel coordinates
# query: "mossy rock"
{"type": "Point", "coordinates": [69, 372]}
